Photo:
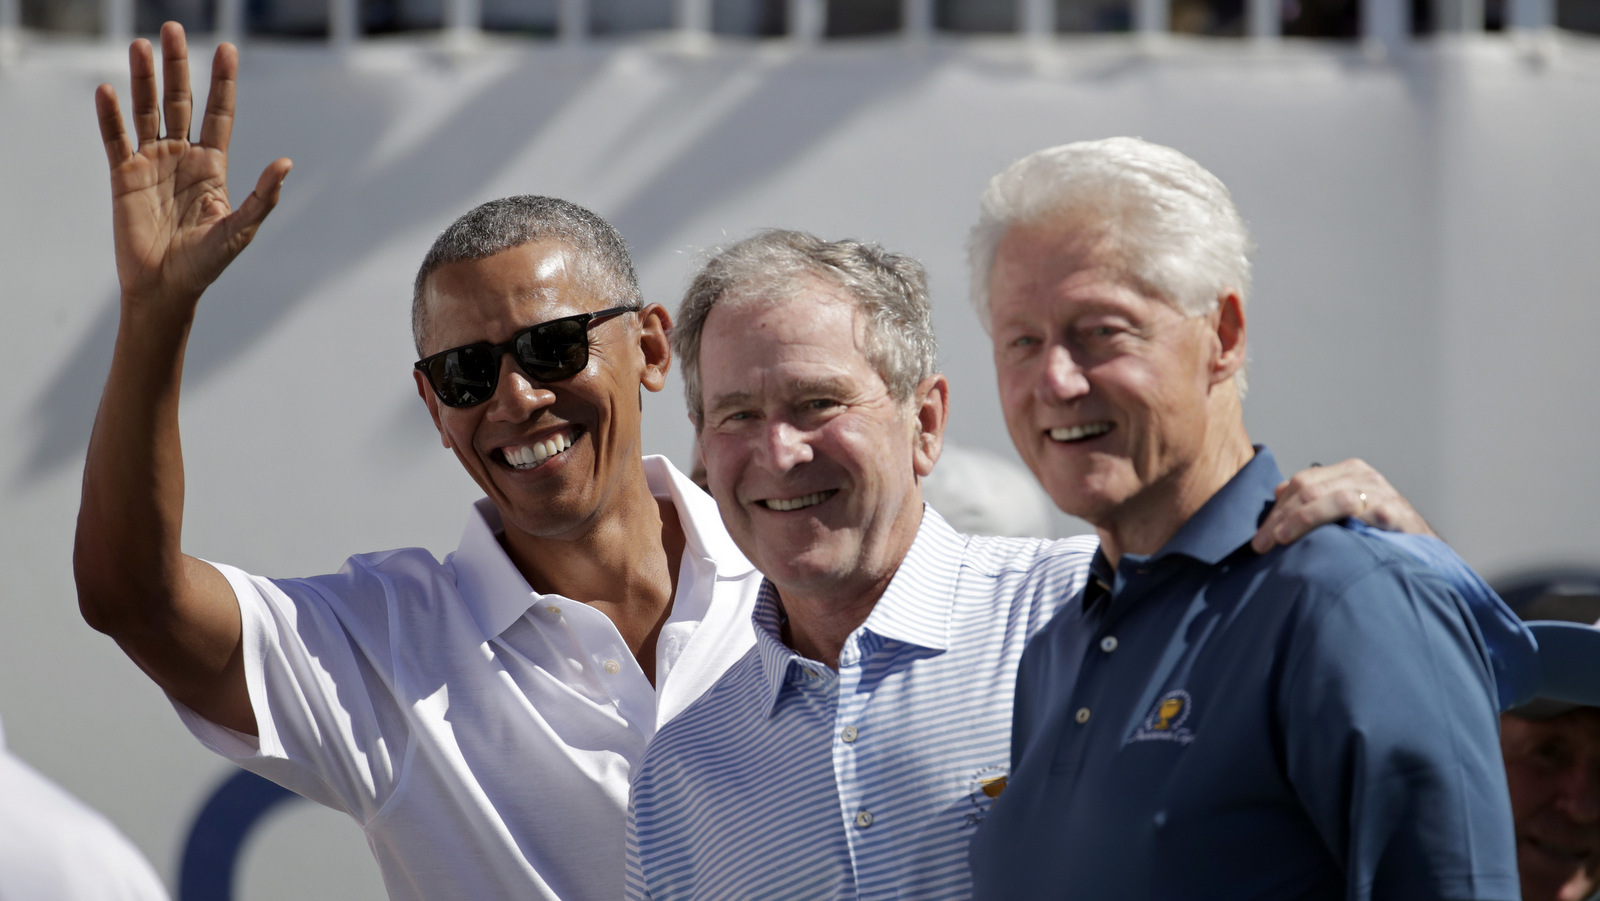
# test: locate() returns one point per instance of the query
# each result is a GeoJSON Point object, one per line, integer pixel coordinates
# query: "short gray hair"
{"type": "Point", "coordinates": [509, 222]}
{"type": "Point", "coordinates": [889, 289]}
{"type": "Point", "coordinates": [1173, 225]}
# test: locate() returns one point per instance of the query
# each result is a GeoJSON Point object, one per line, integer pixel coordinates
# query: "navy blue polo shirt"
{"type": "Point", "coordinates": [1206, 722]}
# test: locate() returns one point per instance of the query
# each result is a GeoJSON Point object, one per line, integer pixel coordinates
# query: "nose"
{"type": "Point", "coordinates": [786, 446]}
{"type": "Point", "coordinates": [1061, 379]}
{"type": "Point", "coordinates": [1580, 794]}
{"type": "Point", "coordinates": [516, 397]}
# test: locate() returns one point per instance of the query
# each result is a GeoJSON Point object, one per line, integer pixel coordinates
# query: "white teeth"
{"type": "Point", "coordinates": [784, 506]}
{"type": "Point", "coordinates": [1079, 432]}
{"type": "Point", "coordinates": [532, 455]}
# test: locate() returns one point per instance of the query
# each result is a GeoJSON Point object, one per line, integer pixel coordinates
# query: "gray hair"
{"type": "Point", "coordinates": [890, 291]}
{"type": "Point", "coordinates": [1171, 224]}
{"type": "Point", "coordinates": [510, 222]}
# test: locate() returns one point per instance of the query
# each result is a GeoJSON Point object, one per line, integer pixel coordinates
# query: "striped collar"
{"type": "Point", "coordinates": [915, 608]}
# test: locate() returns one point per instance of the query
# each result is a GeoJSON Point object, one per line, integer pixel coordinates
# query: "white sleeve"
{"type": "Point", "coordinates": [318, 668]}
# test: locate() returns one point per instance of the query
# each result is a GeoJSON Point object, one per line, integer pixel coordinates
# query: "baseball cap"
{"type": "Point", "coordinates": [1562, 610]}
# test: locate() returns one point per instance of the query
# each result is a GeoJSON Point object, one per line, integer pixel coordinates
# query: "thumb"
{"type": "Point", "coordinates": [261, 200]}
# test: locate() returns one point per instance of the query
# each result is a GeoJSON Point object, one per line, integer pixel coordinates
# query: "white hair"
{"type": "Point", "coordinates": [1170, 225]}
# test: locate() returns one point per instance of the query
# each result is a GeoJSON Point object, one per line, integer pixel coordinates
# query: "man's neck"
{"type": "Point", "coordinates": [821, 614]}
{"type": "Point", "coordinates": [818, 624]}
{"type": "Point", "coordinates": [1144, 524]}
{"type": "Point", "coordinates": [624, 564]}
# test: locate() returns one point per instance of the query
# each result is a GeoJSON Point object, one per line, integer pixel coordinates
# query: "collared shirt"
{"type": "Point", "coordinates": [790, 780]}
{"type": "Point", "coordinates": [482, 734]}
{"type": "Point", "coordinates": [1205, 722]}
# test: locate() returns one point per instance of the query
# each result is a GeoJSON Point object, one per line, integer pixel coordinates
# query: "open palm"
{"type": "Point", "coordinates": [175, 231]}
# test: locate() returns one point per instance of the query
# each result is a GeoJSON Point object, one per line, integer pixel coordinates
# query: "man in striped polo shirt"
{"type": "Point", "coordinates": [854, 751]}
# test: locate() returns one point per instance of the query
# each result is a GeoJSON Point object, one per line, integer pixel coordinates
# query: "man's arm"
{"type": "Point", "coordinates": [175, 232]}
{"type": "Point", "coordinates": [1390, 738]}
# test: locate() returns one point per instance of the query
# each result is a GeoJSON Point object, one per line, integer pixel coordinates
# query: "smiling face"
{"type": "Point", "coordinates": [552, 457]}
{"type": "Point", "coordinates": [1553, 769]}
{"type": "Point", "coordinates": [812, 462]}
{"type": "Point", "coordinates": [1121, 406]}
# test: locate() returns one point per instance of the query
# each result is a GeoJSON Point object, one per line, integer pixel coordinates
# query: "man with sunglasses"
{"type": "Point", "coordinates": [479, 718]}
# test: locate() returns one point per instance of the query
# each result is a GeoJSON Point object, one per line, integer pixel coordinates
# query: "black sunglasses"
{"type": "Point", "coordinates": [548, 352]}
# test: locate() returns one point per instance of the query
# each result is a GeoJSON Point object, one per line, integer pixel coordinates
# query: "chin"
{"type": "Point", "coordinates": [1087, 502]}
{"type": "Point", "coordinates": [1087, 494]}
{"type": "Point", "coordinates": [798, 571]}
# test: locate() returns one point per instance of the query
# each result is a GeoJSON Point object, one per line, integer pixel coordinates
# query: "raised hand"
{"type": "Point", "coordinates": [175, 230]}
{"type": "Point", "coordinates": [1324, 494]}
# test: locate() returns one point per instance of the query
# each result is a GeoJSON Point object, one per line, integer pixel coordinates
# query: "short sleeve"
{"type": "Point", "coordinates": [1390, 734]}
{"type": "Point", "coordinates": [327, 728]}
{"type": "Point", "coordinates": [1512, 649]}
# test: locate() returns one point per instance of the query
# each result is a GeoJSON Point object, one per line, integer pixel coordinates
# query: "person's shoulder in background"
{"type": "Point", "coordinates": [54, 847]}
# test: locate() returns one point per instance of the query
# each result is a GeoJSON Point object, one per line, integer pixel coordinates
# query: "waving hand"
{"type": "Point", "coordinates": [175, 230]}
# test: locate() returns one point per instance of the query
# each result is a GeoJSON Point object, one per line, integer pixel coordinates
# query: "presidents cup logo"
{"type": "Point", "coordinates": [1166, 719]}
{"type": "Point", "coordinates": [985, 785]}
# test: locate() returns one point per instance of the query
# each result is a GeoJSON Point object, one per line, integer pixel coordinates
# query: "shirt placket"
{"type": "Point", "coordinates": [1086, 716]}
{"type": "Point", "coordinates": [605, 655]}
{"type": "Point", "coordinates": [849, 742]}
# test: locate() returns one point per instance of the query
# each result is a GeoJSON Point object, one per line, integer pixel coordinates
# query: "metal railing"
{"type": "Point", "coordinates": [1383, 22]}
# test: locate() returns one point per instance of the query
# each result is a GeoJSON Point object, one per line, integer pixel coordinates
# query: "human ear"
{"type": "Point", "coordinates": [932, 410]}
{"type": "Point", "coordinates": [655, 341]}
{"type": "Point", "coordinates": [1229, 326]}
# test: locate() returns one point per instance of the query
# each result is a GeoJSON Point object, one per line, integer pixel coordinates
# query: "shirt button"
{"type": "Point", "coordinates": [849, 734]}
{"type": "Point", "coordinates": [552, 609]}
{"type": "Point", "coordinates": [1108, 644]}
{"type": "Point", "coordinates": [863, 819]}
{"type": "Point", "coordinates": [613, 667]}
{"type": "Point", "coordinates": [1083, 715]}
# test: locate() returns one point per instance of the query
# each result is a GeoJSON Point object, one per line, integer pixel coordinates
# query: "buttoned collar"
{"type": "Point", "coordinates": [497, 594]}
{"type": "Point", "coordinates": [1230, 518]}
{"type": "Point", "coordinates": [1222, 525]}
{"type": "Point", "coordinates": [915, 608]}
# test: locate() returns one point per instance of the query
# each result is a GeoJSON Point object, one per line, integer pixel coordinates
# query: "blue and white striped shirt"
{"type": "Point", "coordinates": [789, 780]}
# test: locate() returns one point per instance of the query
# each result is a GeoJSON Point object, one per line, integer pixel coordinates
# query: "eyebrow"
{"type": "Point", "coordinates": [728, 401]}
{"type": "Point", "coordinates": [804, 387]}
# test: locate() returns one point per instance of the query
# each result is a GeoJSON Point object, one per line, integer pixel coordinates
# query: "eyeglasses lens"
{"type": "Point", "coordinates": [465, 376]}
{"type": "Point", "coordinates": [554, 350]}
{"type": "Point", "coordinates": [548, 352]}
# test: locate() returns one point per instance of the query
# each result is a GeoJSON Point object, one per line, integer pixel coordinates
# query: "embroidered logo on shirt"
{"type": "Point", "coordinates": [985, 785]}
{"type": "Point", "coordinates": [1166, 719]}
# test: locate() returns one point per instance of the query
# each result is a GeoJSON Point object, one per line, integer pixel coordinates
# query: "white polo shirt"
{"type": "Point", "coordinates": [481, 733]}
